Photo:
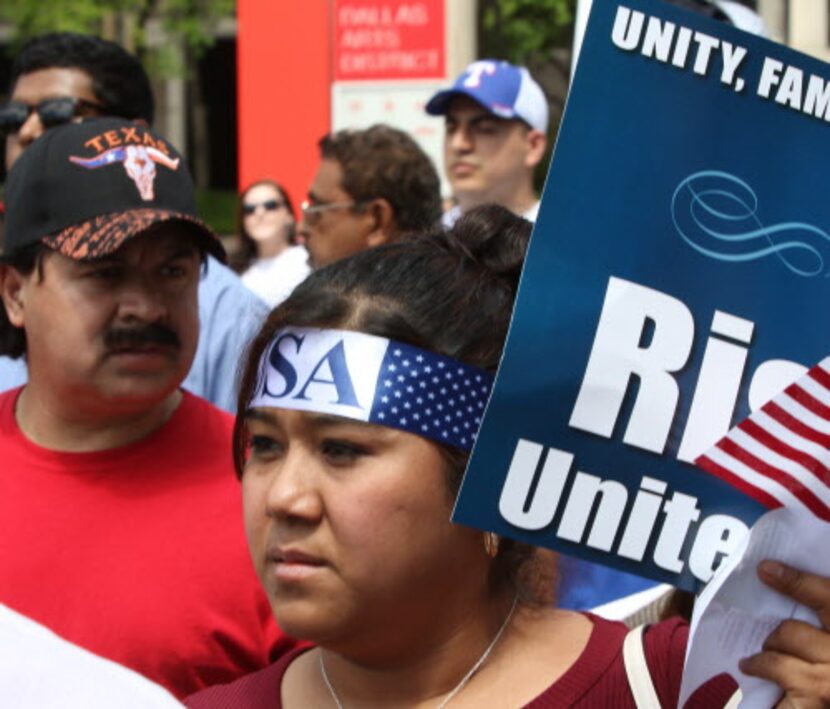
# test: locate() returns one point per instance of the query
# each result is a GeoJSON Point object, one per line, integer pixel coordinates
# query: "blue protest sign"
{"type": "Point", "coordinates": [676, 280]}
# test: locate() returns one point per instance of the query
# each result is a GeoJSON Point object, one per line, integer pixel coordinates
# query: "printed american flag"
{"type": "Point", "coordinates": [780, 455]}
{"type": "Point", "coordinates": [430, 395]}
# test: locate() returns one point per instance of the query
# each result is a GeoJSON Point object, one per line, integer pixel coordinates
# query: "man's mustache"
{"type": "Point", "coordinates": [120, 338]}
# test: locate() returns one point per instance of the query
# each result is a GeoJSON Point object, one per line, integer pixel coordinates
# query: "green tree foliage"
{"type": "Point", "coordinates": [148, 27]}
{"type": "Point", "coordinates": [537, 34]}
{"type": "Point", "coordinates": [525, 31]}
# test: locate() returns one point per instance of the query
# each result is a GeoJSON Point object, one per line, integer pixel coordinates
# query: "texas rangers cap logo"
{"type": "Point", "coordinates": [137, 151]}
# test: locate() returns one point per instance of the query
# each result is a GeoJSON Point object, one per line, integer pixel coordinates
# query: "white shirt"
{"type": "Point", "coordinates": [39, 670]}
{"type": "Point", "coordinates": [742, 17]}
{"type": "Point", "coordinates": [273, 279]}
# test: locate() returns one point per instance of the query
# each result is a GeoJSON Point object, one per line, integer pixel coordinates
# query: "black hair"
{"type": "Point", "coordinates": [703, 7]}
{"type": "Point", "coordinates": [382, 161]}
{"type": "Point", "coordinates": [119, 81]}
{"type": "Point", "coordinates": [13, 338]}
{"type": "Point", "coordinates": [450, 292]}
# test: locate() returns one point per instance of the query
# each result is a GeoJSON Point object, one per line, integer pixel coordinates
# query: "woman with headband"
{"type": "Point", "coordinates": [359, 404]}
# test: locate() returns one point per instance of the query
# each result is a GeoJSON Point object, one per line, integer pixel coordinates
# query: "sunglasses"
{"type": "Point", "coordinates": [52, 112]}
{"type": "Point", "coordinates": [269, 206]}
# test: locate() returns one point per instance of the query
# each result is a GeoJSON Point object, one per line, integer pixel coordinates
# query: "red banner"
{"type": "Point", "coordinates": [283, 105]}
{"type": "Point", "coordinates": [388, 39]}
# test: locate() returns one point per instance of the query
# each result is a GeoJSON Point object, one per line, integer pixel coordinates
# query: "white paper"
{"type": "Point", "coordinates": [736, 611]}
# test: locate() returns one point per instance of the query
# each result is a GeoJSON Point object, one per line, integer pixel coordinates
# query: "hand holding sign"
{"type": "Point", "coordinates": [796, 655]}
{"type": "Point", "coordinates": [738, 617]}
{"type": "Point", "coordinates": [779, 456]}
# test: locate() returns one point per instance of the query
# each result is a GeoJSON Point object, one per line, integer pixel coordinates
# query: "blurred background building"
{"type": "Point", "coordinates": [245, 88]}
{"type": "Point", "coordinates": [802, 24]}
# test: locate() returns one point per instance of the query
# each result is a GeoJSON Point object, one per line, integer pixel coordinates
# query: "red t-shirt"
{"type": "Point", "coordinates": [596, 679]}
{"type": "Point", "coordinates": [137, 553]}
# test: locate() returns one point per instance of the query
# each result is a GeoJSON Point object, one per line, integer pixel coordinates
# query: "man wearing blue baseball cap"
{"type": "Point", "coordinates": [496, 118]}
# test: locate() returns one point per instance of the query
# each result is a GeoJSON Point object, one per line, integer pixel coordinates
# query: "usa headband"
{"type": "Point", "coordinates": [369, 378]}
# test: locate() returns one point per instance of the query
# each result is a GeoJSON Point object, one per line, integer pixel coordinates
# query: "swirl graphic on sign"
{"type": "Point", "coordinates": [716, 213]}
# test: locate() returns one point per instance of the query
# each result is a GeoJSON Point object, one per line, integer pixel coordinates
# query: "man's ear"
{"type": "Point", "coordinates": [11, 290]}
{"type": "Point", "coordinates": [385, 227]}
{"type": "Point", "coordinates": [536, 144]}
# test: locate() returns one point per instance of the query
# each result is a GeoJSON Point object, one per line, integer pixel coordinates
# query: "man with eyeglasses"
{"type": "Point", "coordinates": [61, 77]}
{"type": "Point", "coordinates": [372, 187]}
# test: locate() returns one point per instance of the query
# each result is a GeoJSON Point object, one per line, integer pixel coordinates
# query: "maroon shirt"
{"type": "Point", "coordinates": [596, 679]}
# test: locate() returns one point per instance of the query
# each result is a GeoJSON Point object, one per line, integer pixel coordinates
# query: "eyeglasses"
{"type": "Point", "coordinates": [313, 212]}
{"type": "Point", "coordinates": [269, 205]}
{"type": "Point", "coordinates": [52, 111]}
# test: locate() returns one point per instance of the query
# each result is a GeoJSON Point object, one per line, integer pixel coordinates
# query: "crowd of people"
{"type": "Point", "coordinates": [164, 421]}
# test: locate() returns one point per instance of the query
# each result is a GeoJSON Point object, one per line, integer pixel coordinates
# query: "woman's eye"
{"type": "Point", "coordinates": [342, 452]}
{"type": "Point", "coordinates": [264, 447]}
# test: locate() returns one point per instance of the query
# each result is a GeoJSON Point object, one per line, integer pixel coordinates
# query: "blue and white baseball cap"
{"type": "Point", "coordinates": [506, 90]}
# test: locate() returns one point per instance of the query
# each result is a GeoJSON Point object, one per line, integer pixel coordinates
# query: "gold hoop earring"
{"type": "Point", "coordinates": [491, 544]}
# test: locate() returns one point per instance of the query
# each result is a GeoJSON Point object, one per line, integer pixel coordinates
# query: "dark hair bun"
{"type": "Point", "coordinates": [495, 238]}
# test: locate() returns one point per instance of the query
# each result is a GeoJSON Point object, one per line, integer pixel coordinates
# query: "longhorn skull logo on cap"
{"type": "Point", "coordinates": [139, 163]}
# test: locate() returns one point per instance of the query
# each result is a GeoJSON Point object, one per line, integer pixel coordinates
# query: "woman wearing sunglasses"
{"type": "Point", "coordinates": [271, 263]}
{"type": "Point", "coordinates": [358, 405]}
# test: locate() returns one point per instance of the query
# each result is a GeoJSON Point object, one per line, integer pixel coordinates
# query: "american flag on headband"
{"type": "Point", "coordinates": [780, 455]}
{"type": "Point", "coordinates": [368, 378]}
{"type": "Point", "coordinates": [435, 397]}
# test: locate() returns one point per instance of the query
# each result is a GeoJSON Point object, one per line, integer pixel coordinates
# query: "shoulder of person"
{"type": "Point", "coordinates": [221, 284]}
{"type": "Point", "coordinates": [258, 690]}
{"type": "Point", "coordinates": [39, 668]}
{"type": "Point", "coordinates": [664, 647]}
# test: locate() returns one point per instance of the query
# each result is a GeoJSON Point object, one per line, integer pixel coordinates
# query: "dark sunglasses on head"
{"type": "Point", "coordinates": [52, 111]}
{"type": "Point", "coordinates": [268, 206]}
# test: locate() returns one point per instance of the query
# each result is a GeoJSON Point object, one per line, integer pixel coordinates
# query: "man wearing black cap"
{"type": "Point", "coordinates": [120, 525]}
{"type": "Point", "coordinates": [63, 76]}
